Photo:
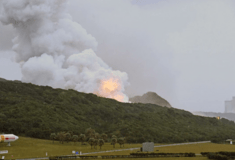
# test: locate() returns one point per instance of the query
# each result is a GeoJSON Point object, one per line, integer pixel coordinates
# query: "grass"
{"type": "Point", "coordinates": [198, 148]}
{"type": "Point", "coordinates": [32, 148]}
{"type": "Point", "coordinates": [195, 148]}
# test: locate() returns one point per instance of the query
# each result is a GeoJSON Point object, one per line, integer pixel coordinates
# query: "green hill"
{"type": "Point", "coordinates": [37, 111]}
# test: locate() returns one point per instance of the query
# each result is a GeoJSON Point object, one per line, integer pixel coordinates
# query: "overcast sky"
{"type": "Point", "coordinates": [181, 49]}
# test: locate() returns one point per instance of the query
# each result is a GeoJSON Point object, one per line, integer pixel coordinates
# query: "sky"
{"type": "Point", "coordinates": [183, 50]}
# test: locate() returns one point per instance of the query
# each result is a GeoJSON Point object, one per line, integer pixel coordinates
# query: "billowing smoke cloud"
{"type": "Point", "coordinates": [54, 50]}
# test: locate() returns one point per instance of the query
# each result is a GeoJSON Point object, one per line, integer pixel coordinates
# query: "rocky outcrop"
{"type": "Point", "coordinates": [151, 97]}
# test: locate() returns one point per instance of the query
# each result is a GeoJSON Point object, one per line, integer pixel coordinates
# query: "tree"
{"type": "Point", "coordinates": [71, 133]}
{"type": "Point", "coordinates": [104, 136]}
{"type": "Point", "coordinates": [82, 138]}
{"type": "Point", "coordinates": [97, 135]}
{"type": "Point", "coordinates": [100, 142]}
{"type": "Point", "coordinates": [91, 141]}
{"type": "Point", "coordinates": [121, 141]}
{"type": "Point", "coordinates": [61, 137]}
{"type": "Point", "coordinates": [124, 141]}
{"type": "Point", "coordinates": [75, 138]}
{"type": "Point", "coordinates": [90, 133]}
{"type": "Point", "coordinates": [53, 136]}
{"type": "Point", "coordinates": [114, 140]}
{"type": "Point", "coordinates": [68, 137]}
{"type": "Point", "coordinates": [95, 143]}
{"type": "Point", "coordinates": [113, 136]}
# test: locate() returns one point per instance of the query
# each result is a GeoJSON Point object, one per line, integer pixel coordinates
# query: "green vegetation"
{"type": "Point", "coordinates": [114, 140]}
{"type": "Point", "coordinates": [101, 142]}
{"type": "Point", "coordinates": [38, 111]}
{"type": "Point", "coordinates": [75, 138]}
{"type": "Point", "coordinates": [140, 155]}
{"type": "Point", "coordinates": [219, 155]}
{"type": "Point", "coordinates": [121, 141]}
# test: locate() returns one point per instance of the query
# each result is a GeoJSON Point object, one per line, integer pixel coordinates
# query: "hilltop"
{"type": "Point", "coordinates": [151, 97]}
{"type": "Point", "coordinates": [36, 111]}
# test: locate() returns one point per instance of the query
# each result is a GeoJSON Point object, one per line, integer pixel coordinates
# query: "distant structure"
{"type": "Point", "coordinates": [148, 147]}
{"type": "Point", "coordinates": [230, 106]}
{"type": "Point", "coordinates": [230, 141]}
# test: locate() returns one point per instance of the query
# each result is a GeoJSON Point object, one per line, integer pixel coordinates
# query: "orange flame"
{"type": "Point", "coordinates": [111, 88]}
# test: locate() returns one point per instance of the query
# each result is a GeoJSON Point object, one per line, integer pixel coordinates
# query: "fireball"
{"type": "Point", "coordinates": [111, 88]}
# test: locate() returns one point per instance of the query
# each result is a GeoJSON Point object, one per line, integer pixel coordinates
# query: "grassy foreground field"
{"type": "Point", "coordinates": [32, 148]}
{"type": "Point", "coordinates": [195, 148]}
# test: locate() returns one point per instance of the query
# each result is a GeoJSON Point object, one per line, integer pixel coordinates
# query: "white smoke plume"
{"type": "Point", "coordinates": [54, 50]}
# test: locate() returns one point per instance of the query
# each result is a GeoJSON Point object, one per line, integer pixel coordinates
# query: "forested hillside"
{"type": "Point", "coordinates": [37, 111]}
